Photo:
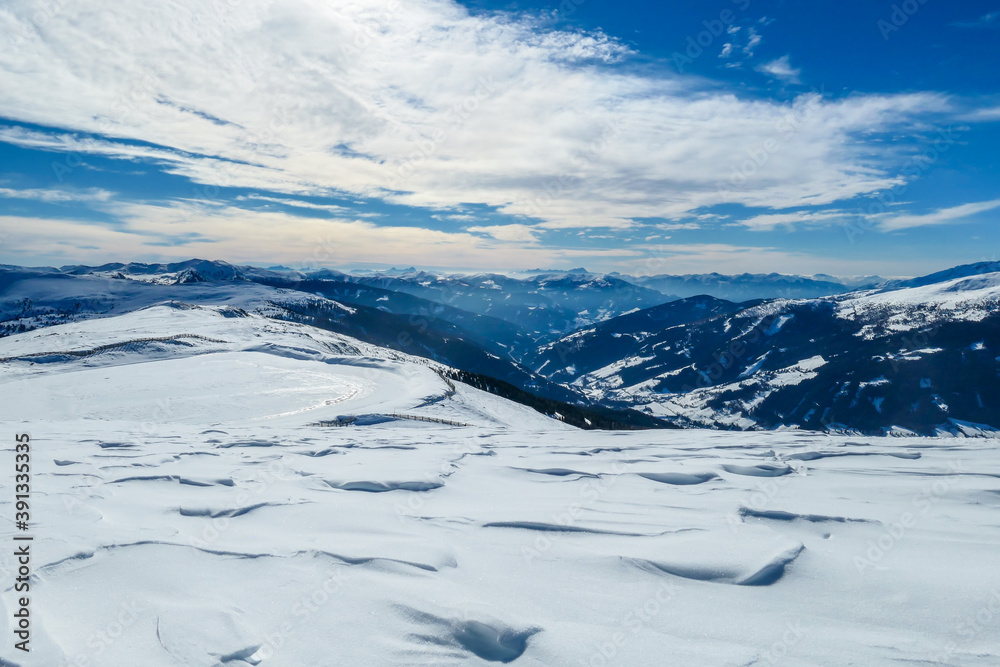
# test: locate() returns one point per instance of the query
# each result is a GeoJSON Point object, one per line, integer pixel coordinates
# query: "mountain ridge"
{"type": "Point", "coordinates": [910, 356]}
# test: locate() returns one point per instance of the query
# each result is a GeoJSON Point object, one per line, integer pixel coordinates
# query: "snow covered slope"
{"type": "Point", "coordinates": [217, 365]}
{"type": "Point", "coordinates": [966, 298]}
{"type": "Point", "coordinates": [409, 543]}
{"type": "Point", "coordinates": [32, 299]}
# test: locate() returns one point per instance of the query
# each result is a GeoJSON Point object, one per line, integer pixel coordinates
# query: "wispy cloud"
{"type": "Point", "coordinates": [769, 222]}
{"type": "Point", "coordinates": [989, 20]}
{"type": "Point", "coordinates": [520, 233]}
{"type": "Point", "coordinates": [942, 216]}
{"type": "Point", "coordinates": [333, 209]}
{"type": "Point", "coordinates": [54, 196]}
{"type": "Point", "coordinates": [365, 98]}
{"type": "Point", "coordinates": [459, 217]}
{"type": "Point", "coordinates": [742, 43]}
{"type": "Point", "coordinates": [986, 114]}
{"type": "Point", "coordinates": [781, 68]}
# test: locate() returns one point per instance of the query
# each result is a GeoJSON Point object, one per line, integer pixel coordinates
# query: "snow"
{"type": "Point", "coordinates": [696, 406]}
{"type": "Point", "coordinates": [755, 366]}
{"type": "Point", "coordinates": [914, 355]}
{"type": "Point", "coordinates": [617, 367]}
{"type": "Point", "coordinates": [290, 546]}
{"type": "Point", "coordinates": [812, 363]}
{"type": "Point", "coordinates": [804, 370]}
{"type": "Point", "coordinates": [969, 298]}
{"type": "Point", "coordinates": [44, 299]}
{"type": "Point", "coordinates": [776, 327]}
{"type": "Point", "coordinates": [187, 511]}
{"type": "Point", "coordinates": [265, 372]}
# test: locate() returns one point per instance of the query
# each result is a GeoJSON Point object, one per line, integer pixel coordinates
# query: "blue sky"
{"type": "Point", "coordinates": [645, 137]}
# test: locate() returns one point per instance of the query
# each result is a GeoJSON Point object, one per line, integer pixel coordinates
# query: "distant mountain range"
{"type": "Point", "coordinates": [743, 287]}
{"type": "Point", "coordinates": [585, 296]}
{"type": "Point", "coordinates": [897, 356]}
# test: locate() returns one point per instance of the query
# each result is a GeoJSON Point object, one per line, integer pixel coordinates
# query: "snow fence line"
{"type": "Point", "coordinates": [350, 421]}
{"type": "Point", "coordinates": [443, 397]}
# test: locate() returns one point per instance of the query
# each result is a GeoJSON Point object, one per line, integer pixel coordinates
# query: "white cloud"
{"type": "Point", "coordinates": [940, 217]}
{"type": "Point", "coordinates": [181, 230]}
{"type": "Point", "coordinates": [770, 221]}
{"type": "Point", "coordinates": [297, 203]}
{"type": "Point", "coordinates": [423, 104]}
{"type": "Point", "coordinates": [90, 195]}
{"type": "Point", "coordinates": [520, 233]}
{"type": "Point", "coordinates": [983, 115]}
{"type": "Point", "coordinates": [781, 69]}
{"type": "Point", "coordinates": [673, 226]}
{"type": "Point", "coordinates": [460, 217]}
{"type": "Point", "coordinates": [743, 44]}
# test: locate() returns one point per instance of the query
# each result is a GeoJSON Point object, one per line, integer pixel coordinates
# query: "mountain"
{"type": "Point", "coordinates": [498, 336]}
{"type": "Point", "coordinates": [964, 271]}
{"type": "Point", "coordinates": [744, 287]}
{"type": "Point", "coordinates": [918, 359]}
{"type": "Point", "coordinates": [592, 348]}
{"type": "Point", "coordinates": [31, 300]}
{"type": "Point", "coordinates": [915, 356]}
{"type": "Point", "coordinates": [543, 305]}
{"type": "Point", "coordinates": [537, 306]}
{"type": "Point", "coordinates": [211, 270]}
{"type": "Point", "coordinates": [438, 340]}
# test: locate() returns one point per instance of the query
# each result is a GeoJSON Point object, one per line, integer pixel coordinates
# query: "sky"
{"type": "Point", "coordinates": [847, 137]}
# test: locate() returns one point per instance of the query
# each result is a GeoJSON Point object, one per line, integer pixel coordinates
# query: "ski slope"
{"type": "Point", "coordinates": [187, 511]}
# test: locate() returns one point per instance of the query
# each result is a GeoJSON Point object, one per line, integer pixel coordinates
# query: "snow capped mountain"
{"type": "Point", "coordinates": [745, 287]}
{"type": "Point", "coordinates": [34, 299]}
{"type": "Point", "coordinates": [536, 306]}
{"type": "Point", "coordinates": [618, 340]}
{"type": "Point", "coordinates": [542, 304]}
{"type": "Point", "coordinates": [964, 271]}
{"type": "Point", "coordinates": [211, 270]}
{"type": "Point", "coordinates": [31, 298]}
{"type": "Point", "coordinates": [919, 359]}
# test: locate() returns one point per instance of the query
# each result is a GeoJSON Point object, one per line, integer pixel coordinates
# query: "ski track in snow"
{"type": "Point", "coordinates": [224, 529]}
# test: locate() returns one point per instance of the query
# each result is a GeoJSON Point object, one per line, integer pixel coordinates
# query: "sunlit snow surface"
{"type": "Point", "coordinates": [185, 512]}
